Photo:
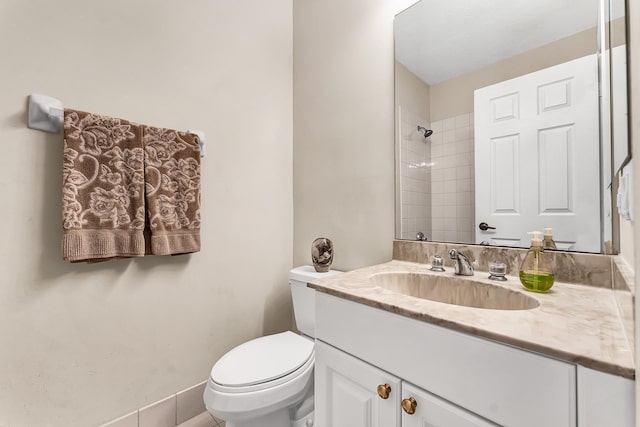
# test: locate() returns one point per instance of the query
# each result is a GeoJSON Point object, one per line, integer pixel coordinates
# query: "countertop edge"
{"type": "Point", "coordinates": [596, 364]}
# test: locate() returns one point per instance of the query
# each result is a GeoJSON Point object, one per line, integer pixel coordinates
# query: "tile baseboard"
{"type": "Point", "coordinates": [168, 412]}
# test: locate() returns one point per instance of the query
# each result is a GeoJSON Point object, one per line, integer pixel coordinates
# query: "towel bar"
{"type": "Point", "coordinates": [46, 114]}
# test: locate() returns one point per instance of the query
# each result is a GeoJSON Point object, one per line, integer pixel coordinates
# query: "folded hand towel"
{"type": "Point", "coordinates": [172, 177]}
{"type": "Point", "coordinates": [103, 211]}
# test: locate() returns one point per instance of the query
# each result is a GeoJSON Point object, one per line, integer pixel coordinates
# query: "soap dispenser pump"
{"type": "Point", "coordinates": [548, 242]}
{"type": "Point", "coordinates": [535, 271]}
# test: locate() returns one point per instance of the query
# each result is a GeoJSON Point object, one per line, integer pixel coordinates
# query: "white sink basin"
{"type": "Point", "coordinates": [454, 290]}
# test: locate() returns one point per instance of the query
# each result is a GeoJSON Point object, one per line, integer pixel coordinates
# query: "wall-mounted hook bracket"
{"type": "Point", "coordinates": [201, 137]}
{"type": "Point", "coordinates": [45, 113]}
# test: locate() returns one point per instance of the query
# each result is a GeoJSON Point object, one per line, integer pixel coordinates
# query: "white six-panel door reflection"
{"type": "Point", "coordinates": [537, 157]}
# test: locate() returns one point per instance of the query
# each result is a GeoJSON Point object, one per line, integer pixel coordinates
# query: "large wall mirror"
{"type": "Point", "coordinates": [505, 116]}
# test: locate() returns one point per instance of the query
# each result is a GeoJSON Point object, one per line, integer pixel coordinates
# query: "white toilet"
{"type": "Point", "coordinates": [268, 381]}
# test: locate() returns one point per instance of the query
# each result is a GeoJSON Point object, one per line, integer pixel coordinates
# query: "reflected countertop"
{"type": "Point", "coordinates": [576, 323]}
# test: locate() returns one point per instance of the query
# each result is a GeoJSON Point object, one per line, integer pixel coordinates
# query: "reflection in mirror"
{"type": "Point", "coordinates": [511, 94]}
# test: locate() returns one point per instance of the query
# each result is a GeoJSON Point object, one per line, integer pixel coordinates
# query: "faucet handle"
{"type": "Point", "coordinates": [437, 263]}
{"type": "Point", "coordinates": [497, 271]}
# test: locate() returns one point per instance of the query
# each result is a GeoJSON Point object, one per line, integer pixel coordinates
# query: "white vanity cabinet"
{"type": "Point", "coordinates": [456, 379]}
{"type": "Point", "coordinates": [431, 411]}
{"type": "Point", "coordinates": [353, 393]}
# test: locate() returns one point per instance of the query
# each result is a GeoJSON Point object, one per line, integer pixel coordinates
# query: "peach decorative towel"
{"type": "Point", "coordinates": [123, 183]}
{"type": "Point", "coordinates": [102, 188]}
{"type": "Point", "coordinates": [172, 176]}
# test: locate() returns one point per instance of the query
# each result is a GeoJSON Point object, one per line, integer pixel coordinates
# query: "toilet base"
{"type": "Point", "coordinates": [306, 421]}
{"type": "Point", "coordinates": [300, 415]}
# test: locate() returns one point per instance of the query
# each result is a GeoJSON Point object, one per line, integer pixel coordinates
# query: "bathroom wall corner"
{"type": "Point", "coordinates": [343, 147]}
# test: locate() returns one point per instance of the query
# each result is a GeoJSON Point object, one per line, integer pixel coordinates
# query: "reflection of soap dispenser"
{"type": "Point", "coordinates": [535, 271]}
{"type": "Point", "coordinates": [548, 242]}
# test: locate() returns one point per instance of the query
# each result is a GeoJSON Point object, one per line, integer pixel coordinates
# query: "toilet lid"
{"type": "Point", "coordinates": [262, 359]}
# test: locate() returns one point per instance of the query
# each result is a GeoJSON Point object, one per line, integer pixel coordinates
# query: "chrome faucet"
{"type": "Point", "coordinates": [461, 263]}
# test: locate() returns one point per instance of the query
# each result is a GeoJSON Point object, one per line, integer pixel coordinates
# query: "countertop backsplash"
{"type": "Point", "coordinates": [569, 267]}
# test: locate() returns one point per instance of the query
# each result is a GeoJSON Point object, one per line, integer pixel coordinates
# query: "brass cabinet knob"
{"type": "Point", "coordinates": [384, 390]}
{"type": "Point", "coordinates": [409, 405]}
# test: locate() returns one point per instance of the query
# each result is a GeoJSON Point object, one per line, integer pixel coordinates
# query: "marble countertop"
{"type": "Point", "coordinates": [576, 323]}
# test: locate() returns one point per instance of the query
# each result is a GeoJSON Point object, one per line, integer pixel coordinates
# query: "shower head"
{"type": "Point", "coordinates": [427, 132]}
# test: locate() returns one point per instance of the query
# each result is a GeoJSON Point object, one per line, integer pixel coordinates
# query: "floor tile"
{"type": "Point", "coordinates": [190, 403]}
{"type": "Point", "coordinates": [159, 414]}
{"type": "Point", "coordinates": [219, 421]}
{"type": "Point", "coordinates": [202, 420]}
{"type": "Point", "coordinates": [129, 420]}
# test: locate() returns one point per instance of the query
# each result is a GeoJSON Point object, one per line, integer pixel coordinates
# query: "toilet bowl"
{"type": "Point", "coordinates": [268, 381]}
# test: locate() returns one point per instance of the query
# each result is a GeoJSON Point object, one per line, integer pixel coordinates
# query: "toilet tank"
{"type": "Point", "coordinates": [304, 298]}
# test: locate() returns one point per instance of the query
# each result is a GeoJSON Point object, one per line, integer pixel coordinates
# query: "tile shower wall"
{"type": "Point", "coordinates": [452, 180]}
{"type": "Point", "coordinates": [415, 177]}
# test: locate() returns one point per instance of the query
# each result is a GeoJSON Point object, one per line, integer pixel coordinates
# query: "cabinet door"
{"type": "Point", "coordinates": [346, 393]}
{"type": "Point", "coordinates": [605, 400]}
{"type": "Point", "coordinates": [431, 411]}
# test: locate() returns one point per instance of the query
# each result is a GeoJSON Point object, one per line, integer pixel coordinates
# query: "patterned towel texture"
{"type": "Point", "coordinates": [128, 189]}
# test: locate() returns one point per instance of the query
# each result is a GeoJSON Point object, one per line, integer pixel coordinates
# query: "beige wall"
{"type": "Point", "coordinates": [343, 129]}
{"type": "Point", "coordinates": [627, 244]}
{"type": "Point", "coordinates": [81, 344]}
{"type": "Point", "coordinates": [411, 92]}
{"type": "Point", "coordinates": [634, 118]}
{"type": "Point", "coordinates": [629, 233]}
{"type": "Point", "coordinates": [455, 96]}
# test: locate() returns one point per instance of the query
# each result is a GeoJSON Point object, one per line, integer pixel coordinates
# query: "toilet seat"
{"type": "Point", "coordinates": [267, 388]}
{"type": "Point", "coordinates": [305, 369]}
{"type": "Point", "coordinates": [262, 363]}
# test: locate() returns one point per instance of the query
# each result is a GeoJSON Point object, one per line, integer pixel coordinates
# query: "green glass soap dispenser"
{"type": "Point", "coordinates": [535, 271]}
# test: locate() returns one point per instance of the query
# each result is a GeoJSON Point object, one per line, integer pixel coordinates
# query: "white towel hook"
{"type": "Point", "coordinates": [200, 135]}
{"type": "Point", "coordinates": [45, 113]}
